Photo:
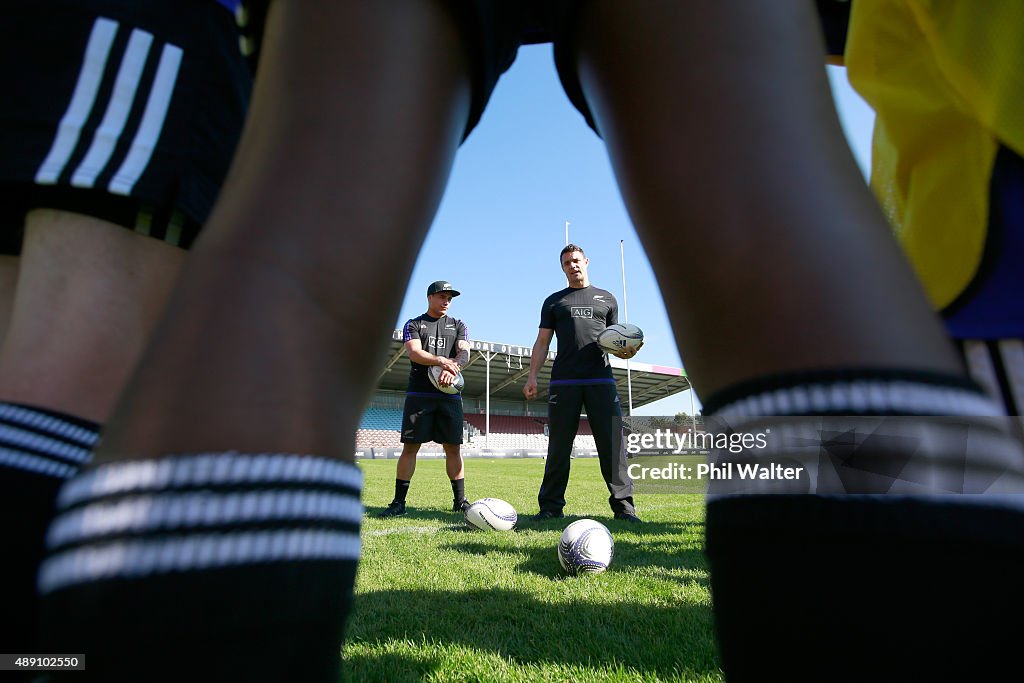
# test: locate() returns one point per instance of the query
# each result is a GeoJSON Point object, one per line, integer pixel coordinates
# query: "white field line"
{"type": "Point", "coordinates": [411, 530]}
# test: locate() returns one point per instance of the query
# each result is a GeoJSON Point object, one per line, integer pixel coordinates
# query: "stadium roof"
{"type": "Point", "coordinates": [510, 366]}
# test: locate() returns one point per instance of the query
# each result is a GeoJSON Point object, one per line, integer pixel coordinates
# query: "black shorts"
{"type": "Point", "coordinates": [127, 111]}
{"type": "Point", "coordinates": [493, 30]}
{"type": "Point", "coordinates": [428, 417]}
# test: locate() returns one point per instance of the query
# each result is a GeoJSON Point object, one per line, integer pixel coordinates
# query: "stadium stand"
{"type": "Point", "coordinates": [508, 424]}
{"type": "Point", "coordinates": [379, 427]}
{"type": "Point", "coordinates": [387, 419]}
{"type": "Point", "coordinates": [521, 432]}
{"type": "Point", "coordinates": [377, 438]}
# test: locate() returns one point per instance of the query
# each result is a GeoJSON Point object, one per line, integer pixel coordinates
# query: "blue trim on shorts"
{"type": "Point", "coordinates": [440, 394]}
{"type": "Point", "coordinates": [581, 382]}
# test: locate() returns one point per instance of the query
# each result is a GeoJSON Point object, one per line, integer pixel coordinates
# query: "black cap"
{"type": "Point", "coordinates": [442, 286]}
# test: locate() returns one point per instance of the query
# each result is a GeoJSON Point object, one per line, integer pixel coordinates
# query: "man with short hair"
{"type": "Point", "coordinates": [430, 414]}
{"type": "Point", "coordinates": [581, 377]}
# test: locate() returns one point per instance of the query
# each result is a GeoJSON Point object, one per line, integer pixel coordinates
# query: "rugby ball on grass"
{"type": "Point", "coordinates": [491, 514]}
{"type": "Point", "coordinates": [434, 372]}
{"type": "Point", "coordinates": [619, 336]}
{"type": "Point", "coordinates": [586, 547]}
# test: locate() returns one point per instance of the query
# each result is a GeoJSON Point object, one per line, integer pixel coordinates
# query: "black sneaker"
{"type": "Point", "coordinates": [547, 514]}
{"type": "Point", "coordinates": [460, 505]}
{"type": "Point", "coordinates": [395, 509]}
{"type": "Point", "coordinates": [628, 517]}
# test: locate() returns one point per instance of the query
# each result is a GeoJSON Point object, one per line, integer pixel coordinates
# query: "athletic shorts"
{"type": "Point", "coordinates": [493, 30]}
{"type": "Point", "coordinates": [429, 417]}
{"type": "Point", "coordinates": [126, 111]}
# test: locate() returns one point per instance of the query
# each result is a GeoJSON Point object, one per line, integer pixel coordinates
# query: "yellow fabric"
{"type": "Point", "coordinates": [946, 81]}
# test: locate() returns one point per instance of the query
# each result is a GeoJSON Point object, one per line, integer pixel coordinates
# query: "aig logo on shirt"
{"type": "Point", "coordinates": [582, 311]}
{"type": "Point", "coordinates": [436, 342]}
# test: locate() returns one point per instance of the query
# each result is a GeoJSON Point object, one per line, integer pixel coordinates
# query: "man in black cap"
{"type": "Point", "coordinates": [581, 378]}
{"type": "Point", "coordinates": [430, 414]}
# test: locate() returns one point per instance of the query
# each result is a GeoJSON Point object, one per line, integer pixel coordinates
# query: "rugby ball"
{"type": "Point", "coordinates": [434, 372]}
{"type": "Point", "coordinates": [619, 336]}
{"type": "Point", "coordinates": [586, 547]}
{"type": "Point", "coordinates": [491, 514]}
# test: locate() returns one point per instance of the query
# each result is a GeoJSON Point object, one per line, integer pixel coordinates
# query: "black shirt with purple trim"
{"type": "Point", "coordinates": [578, 316]}
{"type": "Point", "coordinates": [438, 336]}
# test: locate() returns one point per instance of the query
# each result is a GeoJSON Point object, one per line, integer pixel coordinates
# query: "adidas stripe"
{"type": "Point", "coordinates": [98, 63]}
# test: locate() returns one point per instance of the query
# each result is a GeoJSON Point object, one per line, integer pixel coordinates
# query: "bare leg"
{"type": "Point", "coordinates": [339, 173]}
{"type": "Point", "coordinates": [774, 259]}
{"type": "Point", "coordinates": [453, 464]}
{"type": "Point", "coordinates": [407, 461]}
{"type": "Point", "coordinates": [770, 252]}
{"type": "Point", "coordinates": [8, 281]}
{"type": "Point", "coordinates": [89, 293]}
{"type": "Point", "coordinates": [268, 349]}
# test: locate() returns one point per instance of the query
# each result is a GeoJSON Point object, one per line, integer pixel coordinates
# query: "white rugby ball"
{"type": "Point", "coordinates": [586, 547]}
{"type": "Point", "coordinates": [619, 336]}
{"type": "Point", "coordinates": [434, 372]}
{"type": "Point", "coordinates": [491, 514]}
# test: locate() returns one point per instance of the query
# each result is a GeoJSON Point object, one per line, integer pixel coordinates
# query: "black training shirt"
{"type": "Point", "coordinates": [437, 336]}
{"type": "Point", "coordinates": [577, 316]}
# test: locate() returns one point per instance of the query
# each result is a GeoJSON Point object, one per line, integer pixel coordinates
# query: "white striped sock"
{"type": "Point", "coordinates": [35, 441]}
{"type": "Point", "coordinates": [202, 511]}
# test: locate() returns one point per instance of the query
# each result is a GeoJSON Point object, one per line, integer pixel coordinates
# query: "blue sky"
{"type": "Point", "coordinates": [531, 165]}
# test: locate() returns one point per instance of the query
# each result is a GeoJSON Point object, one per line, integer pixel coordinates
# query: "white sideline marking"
{"type": "Point", "coordinates": [408, 530]}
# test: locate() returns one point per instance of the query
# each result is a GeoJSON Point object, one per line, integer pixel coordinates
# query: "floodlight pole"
{"type": "Point", "coordinates": [487, 400]}
{"type": "Point", "coordinates": [693, 411]}
{"type": "Point", "coordinates": [567, 233]}
{"type": "Point", "coordinates": [625, 318]}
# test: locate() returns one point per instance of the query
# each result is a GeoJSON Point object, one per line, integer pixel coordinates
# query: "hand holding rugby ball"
{"type": "Point", "coordinates": [434, 372]}
{"type": "Point", "coordinates": [621, 339]}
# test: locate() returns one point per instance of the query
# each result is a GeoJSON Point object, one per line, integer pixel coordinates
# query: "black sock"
{"type": "Point", "coordinates": [822, 554]}
{"type": "Point", "coordinates": [39, 450]}
{"type": "Point", "coordinates": [401, 490]}
{"type": "Point", "coordinates": [219, 555]}
{"type": "Point", "coordinates": [459, 489]}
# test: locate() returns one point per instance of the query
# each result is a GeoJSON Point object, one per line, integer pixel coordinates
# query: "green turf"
{"type": "Point", "coordinates": [438, 602]}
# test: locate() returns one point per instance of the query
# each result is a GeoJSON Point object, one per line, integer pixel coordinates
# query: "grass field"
{"type": "Point", "coordinates": [438, 602]}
